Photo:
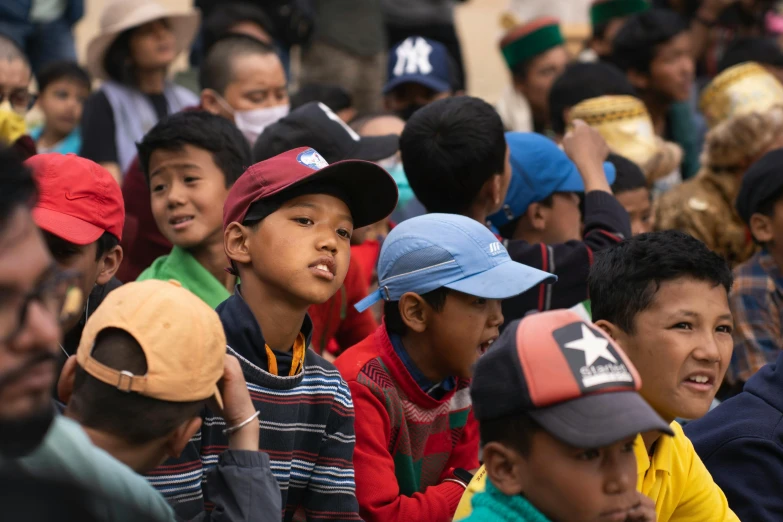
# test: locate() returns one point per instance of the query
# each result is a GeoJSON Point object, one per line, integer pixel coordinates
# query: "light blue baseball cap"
{"type": "Point", "coordinates": [538, 169]}
{"type": "Point", "coordinates": [432, 251]}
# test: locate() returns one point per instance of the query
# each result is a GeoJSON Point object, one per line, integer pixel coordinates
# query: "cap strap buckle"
{"type": "Point", "coordinates": [386, 295]}
{"type": "Point", "coordinates": [129, 376]}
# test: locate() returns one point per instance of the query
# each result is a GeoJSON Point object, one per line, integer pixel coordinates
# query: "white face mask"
{"type": "Point", "coordinates": [253, 122]}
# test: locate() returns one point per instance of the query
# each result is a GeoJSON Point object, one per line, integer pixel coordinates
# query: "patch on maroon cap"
{"type": "Point", "coordinates": [311, 159]}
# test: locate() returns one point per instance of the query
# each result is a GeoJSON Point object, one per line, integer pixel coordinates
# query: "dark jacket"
{"type": "Point", "coordinates": [741, 443]}
{"type": "Point", "coordinates": [606, 224]}
{"type": "Point", "coordinates": [19, 10]}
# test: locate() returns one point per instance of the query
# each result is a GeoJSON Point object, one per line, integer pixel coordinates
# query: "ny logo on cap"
{"type": "Point", "coordinates": [311, 159]}
{"type": "Point", "coordinates": [592, 358]}
{"type": "Point", "coordinates": [413, 56]}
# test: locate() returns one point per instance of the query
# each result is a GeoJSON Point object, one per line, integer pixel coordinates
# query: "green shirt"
{"type": "Point", "coordinates": [181, 266]}
{"type": "Point", "coordinates": [68, 454]}
{"type": "Point", "coordinates": [493, 506]}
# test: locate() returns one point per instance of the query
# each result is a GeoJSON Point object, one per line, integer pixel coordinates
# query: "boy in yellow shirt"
{"type": "Point", "coordinates": [663, 297]}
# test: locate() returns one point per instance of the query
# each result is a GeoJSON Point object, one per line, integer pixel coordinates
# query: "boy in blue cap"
{"type": "Point", "coordinates": [442, 278]}
{"type": "Point", "coordinates": [420, 72]}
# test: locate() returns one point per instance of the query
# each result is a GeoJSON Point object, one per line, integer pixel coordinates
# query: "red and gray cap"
{"type": "Point", "coordinates": [568, 376]}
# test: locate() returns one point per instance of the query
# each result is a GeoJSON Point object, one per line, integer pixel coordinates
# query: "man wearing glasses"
{"type": "Point", "coordinates": [15, 98]}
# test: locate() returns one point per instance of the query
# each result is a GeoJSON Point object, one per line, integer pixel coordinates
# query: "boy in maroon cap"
{"type": "Point", "coordinates": [287, 233]}
{"type": "Point", "coordinates": [81, 213]}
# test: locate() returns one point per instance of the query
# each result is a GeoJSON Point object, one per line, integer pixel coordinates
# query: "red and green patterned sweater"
{"type": "Point", "coordinates": [406, 441]}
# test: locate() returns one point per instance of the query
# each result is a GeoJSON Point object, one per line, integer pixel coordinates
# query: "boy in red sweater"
{"type": "Point", "coordinates": [443, 278]}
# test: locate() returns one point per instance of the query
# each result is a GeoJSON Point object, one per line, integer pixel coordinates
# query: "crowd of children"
{"type": "Point", "coordinates": [228, 302]}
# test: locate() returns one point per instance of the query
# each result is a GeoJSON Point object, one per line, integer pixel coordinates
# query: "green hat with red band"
{"type": "Point", "coordinates": [604, 10]}
{"type": "Point", "coordinates": [526, 41]}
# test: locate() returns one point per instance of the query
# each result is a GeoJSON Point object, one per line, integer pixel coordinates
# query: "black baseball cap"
{"type": "Point", "coordinates": [314, 125]}
{"type": "Point", "coordinates": [568, 376]}
{"type": "Point", "coordinates": [762, 181]}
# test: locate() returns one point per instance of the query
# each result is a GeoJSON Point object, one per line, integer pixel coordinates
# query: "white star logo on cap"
{"type": "Point", "coordinates": [592, 346]}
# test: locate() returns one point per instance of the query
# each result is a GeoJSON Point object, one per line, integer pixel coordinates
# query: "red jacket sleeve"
{"type": "Point", "coordinates": [376, 484]}
{"type": "Point", "coordinates": [355, 327]}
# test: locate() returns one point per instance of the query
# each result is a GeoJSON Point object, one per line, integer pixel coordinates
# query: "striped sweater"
{"type": "Point", "coordinates": [407, 442]}
{"type": "Point", "coordinates": [306, 429]}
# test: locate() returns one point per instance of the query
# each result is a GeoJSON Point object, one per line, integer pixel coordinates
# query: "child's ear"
{"type": "Point", "coordinates": [180, 437]}
{"type": "Point", "coordinates": [67, 377]}
{"type": "Point", "coordinates": [612, 331]}
{"type": "Point", "coordinates": [638, 80]}
{"type": "Point", "coordinates": [210, 103]}
{"type": "Point", "coordinates": [538, 216]}
{"type": "Point", "coordinates": [109, 265]}
{"type": "Point", "coordinates": [505, 467]}
{"type": "Point", "coordinates": [235, 243]}
{"type": "Point", "coordinates": [761, 228]}
{"type": "Point", "coordinates": [414, 312]}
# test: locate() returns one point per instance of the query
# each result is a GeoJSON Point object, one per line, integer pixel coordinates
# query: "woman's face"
{"type": "Point", "coordinates": [152, 45]}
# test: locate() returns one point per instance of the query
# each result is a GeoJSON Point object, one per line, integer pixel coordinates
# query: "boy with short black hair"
{"type": "Point", "coordinates": [558, 409]}
{"type": "Point", "coordinates": [762, 50]}
{"type": "Point", "coordinates": [442, 278]}
{"type": "Point", "coordinates": [63, 87]}
{"type": "Point", "coordinates": [579, 82]}
{"type": "Point", "coordinates": [191, 160]}
{"type": "Point", "coordinates": [81, 213]}
{"type": "Point", "coordinates": [663, 297]}
{"type": "Point", "coordinates": [654, 50]}
{"type": "Point", "coordinates": [607, 18]}
{"type": "Point", "coordinates": [754, 297]}
{"type": "Point", "coordinates": [456, 161]}
{"type": "Point", "coordinates": [287, 230]}
{"type": "Point", "coordinates": [630, 189]}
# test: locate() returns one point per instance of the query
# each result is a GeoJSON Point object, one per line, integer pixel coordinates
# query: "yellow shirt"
{"type": "Point", "coordinates": [676, 479]}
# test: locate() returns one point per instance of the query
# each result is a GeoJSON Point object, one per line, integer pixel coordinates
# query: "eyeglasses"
{"type": "Point", "coordinates": [59, 294]}
{"type": "Point", "coordinates": [20, 99]}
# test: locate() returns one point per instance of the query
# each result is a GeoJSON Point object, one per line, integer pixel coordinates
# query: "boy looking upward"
{"type": "Point", "coordinates": [442, 278]}
{"type": "Point", "coordinates": [287, 232]}
{"type": "Point", "coordinates": [191, 160]}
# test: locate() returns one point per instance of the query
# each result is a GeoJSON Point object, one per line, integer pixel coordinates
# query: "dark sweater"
{"type": "Point", "coordinates": [306, 429]}
{"type": "Point", "coordinates": [741, 443]}
{"type": "Point", "coordinates": [606, 224]}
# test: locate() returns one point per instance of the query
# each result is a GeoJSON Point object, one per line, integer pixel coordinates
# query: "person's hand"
{"type": "Point", "coordinates": [237, 407]}
{"type": "Point", "coordinates": [588, 150]}
{"type": "Point", "coordinates": [644, 512]}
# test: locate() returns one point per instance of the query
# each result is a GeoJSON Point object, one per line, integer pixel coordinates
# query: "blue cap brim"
{"type": "Point", "coordinates": [436, 84]}
{"type": "Point", "coordinates": [574, 182]}
{"type": "Point", "coordinates": [503, 281]}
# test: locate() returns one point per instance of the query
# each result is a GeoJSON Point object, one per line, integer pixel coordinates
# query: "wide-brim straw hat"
{"type": "Point", "coordinates": [742, 89]}
{"type": "Point", "coordinates": [121, 15]}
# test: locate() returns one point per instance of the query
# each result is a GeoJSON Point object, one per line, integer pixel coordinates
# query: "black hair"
{"type": "Point", "coordinates": [217, 71]}
{"type": "Point", "coordinates": [436, 299]}
{"type": "Point", "coordinates": [509, 229]}
{"type": "Point", "coordinates": [63, 70]}
{"type": "Point", "coordinates": [637, 42]}
{"type": "Point", "coordinates": [105, 244]}
{"type": "Point", "coordinates": [63, 250]}
{"type": "Point", "coordinates": [229, 148]}
{"type": "Point", "coordinates": [629, 175]}
{"type": "Point", "coordinates": [10, 50]}
{"type": "Point", "coordinates": [132, 417]}
{"type": "Point", "coordinates": [767, 206]}
{"type": "Point", "coordinates": [220, 21]}
{"type": "Point", "coordinates": [450, 149]}
{"type": "Point", "coordinates": [17, 186]}
{"type": "Point", "coordinates": [580, 82]}
{"type": "Point", "coordinates": [625, 277]}
{"type": "Point", "coordinates": [515, 431]}
{"type": "Point", "coordinates": [599, 30]}
{"type": "Point", "coordinates": [333, 96]}
{"type": "Point", "coordinates": [117, 61]}
{"type": "Point", "coordinates": [751, 49]}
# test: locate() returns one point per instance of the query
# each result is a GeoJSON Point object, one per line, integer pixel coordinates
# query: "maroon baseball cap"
{"type": "Point", "coordinates": [569, 376]}
{"type": "Point", "coordinates": [78, 200]}
{"type": "Point", "coordinates": [370, 191]}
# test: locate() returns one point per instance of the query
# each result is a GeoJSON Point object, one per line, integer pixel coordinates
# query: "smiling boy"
{"type": "Point", "coordinates": [670, 314]}
{"type": "Point", "coordinates": [287, 232]}
{"type": "Point", "coordinates": [442, 278]}
{"type": "Point", "coordinates": [191, 160]}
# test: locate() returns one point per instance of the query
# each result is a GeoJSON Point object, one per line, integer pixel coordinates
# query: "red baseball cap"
{"type": "Point", "coordinates": [370, 190]}
{"type": "Point", "coordinates": [78, 200]}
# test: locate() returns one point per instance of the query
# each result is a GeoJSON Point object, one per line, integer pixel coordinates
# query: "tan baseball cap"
{"type": "Point", "coordinates": [181, 336]}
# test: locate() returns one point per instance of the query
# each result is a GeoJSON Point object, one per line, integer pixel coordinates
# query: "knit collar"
{"type": "Point", "coordinates": [514, 508]}
{"type": "Point", "coordinates": [432, 389]}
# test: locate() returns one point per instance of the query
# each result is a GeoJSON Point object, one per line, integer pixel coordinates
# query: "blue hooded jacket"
{"type": "Point", "coordinates": [741, 443]}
